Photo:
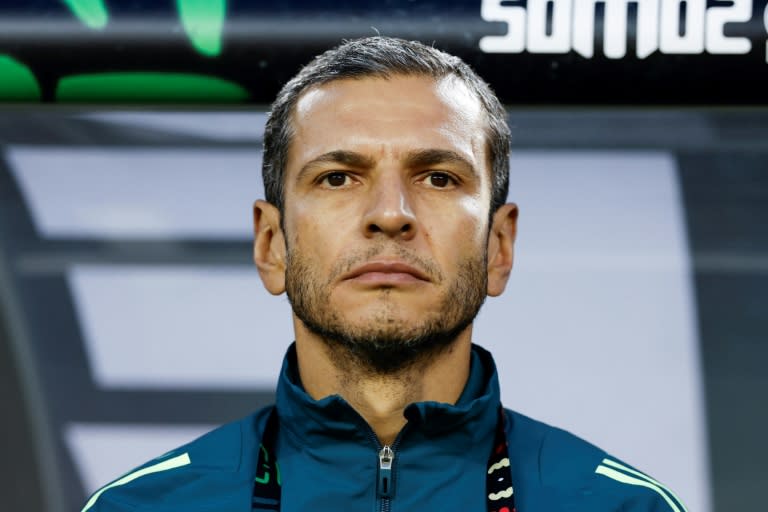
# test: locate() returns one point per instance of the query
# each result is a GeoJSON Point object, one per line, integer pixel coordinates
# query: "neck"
{"type": "Point", "coordinates": [381, 399]}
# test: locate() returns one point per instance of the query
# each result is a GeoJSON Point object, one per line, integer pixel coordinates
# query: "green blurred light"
{"type": "Point", "coordinates": [148, 87]}
{"type": "Point", "coordinates": [93, 13]}
{"type": "Point", "coordinates": [17, 82]}
{"type": "Point", "coordinates": [203, 20]}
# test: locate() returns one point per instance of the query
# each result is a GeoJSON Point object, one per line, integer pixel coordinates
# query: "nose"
{"type": "Point", "coordinates": [390, 210]}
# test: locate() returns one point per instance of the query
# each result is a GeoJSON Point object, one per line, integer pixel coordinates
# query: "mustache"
{"type": "Point", "coordinates": [349, 262]}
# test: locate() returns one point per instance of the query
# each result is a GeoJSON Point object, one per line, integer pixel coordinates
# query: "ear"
{"type": "Point", "coordinates": [269, 246]}
{"type": "Point", "coordinates": [501, 244]}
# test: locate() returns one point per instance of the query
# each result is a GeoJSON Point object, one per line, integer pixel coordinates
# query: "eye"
{"type": "Point", "coordinates": [440, 180]}
{"type": "Point", "coordinates": [335, 179]}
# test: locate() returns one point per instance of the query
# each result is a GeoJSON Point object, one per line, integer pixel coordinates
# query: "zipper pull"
{"type": "Point", "coordinates": [385, 487]}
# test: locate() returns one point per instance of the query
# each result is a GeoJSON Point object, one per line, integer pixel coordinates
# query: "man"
{"type": "Point", "coordinates": [386, 176]}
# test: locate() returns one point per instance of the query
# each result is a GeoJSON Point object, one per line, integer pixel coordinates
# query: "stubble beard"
{"type": "Point", "coordinates": [386, 345]}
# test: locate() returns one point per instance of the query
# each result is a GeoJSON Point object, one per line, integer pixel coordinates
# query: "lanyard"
{"type": "Point", "coordinates": [498, 482]}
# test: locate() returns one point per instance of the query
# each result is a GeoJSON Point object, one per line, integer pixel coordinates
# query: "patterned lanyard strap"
{"type": "Point", "coordinates": [498, 481]}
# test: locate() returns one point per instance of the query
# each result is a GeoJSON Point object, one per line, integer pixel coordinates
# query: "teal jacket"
{"type": "Point", "coordinates": [328, 460]}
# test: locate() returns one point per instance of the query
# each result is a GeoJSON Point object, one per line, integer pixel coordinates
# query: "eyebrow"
{"type": "Point", "coordinates": [429, 157]}
{"type": "Point", "coordinates": [347, 158]}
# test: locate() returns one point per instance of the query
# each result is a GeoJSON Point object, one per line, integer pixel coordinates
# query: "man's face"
{"type": "Point", "coordinates": [387, 194]}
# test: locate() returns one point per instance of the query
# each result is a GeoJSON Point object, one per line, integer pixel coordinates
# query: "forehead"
{"type": "Point", "coordinates": [398, 112]}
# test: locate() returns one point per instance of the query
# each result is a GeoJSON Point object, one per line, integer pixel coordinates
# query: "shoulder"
{"type": "Point", "coordinates": [553, 469]}
{"type": "Point", "coordinates": [215, 468]}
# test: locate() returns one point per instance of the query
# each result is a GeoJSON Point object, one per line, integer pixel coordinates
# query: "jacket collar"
{"type": "Point", "coordinates": [471, 420]}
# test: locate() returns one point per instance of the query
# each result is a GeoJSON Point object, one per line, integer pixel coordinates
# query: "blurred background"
{"type": "Point", "coordinates": [132, 319]}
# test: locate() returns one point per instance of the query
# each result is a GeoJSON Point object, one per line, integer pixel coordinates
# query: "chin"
{"type": "Point", "coordinates": [379, 319]}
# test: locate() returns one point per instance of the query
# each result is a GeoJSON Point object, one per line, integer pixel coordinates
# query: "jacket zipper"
{"type": "Point", "coordinates": [385, 484]}
{"type": "Point", "coordinates": [384, 487]}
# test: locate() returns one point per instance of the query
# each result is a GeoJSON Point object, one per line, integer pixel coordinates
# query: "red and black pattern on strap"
{"type": "Point", "coordinates": [498, 484]}
{"type": "Point", "coordinates": [498, 479]}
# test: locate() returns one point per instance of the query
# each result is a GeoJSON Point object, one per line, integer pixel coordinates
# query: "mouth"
{"type": "Point", "coordinates": [386, 273]}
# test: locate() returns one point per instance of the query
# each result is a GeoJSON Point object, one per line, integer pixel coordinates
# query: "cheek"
{"type": "Point", "coordinates": [459, 229]}
{"type": "Point", "coordinates": [317, 229]}
{"type": "Point", "coordinates": [473, 218]}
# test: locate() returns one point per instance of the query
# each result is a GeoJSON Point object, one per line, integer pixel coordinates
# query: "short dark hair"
{"type": "Point", "coordinates": [380, 57]}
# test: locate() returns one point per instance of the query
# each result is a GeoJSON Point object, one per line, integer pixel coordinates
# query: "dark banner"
{"type": "Point", "coordinates": [533, 52]}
